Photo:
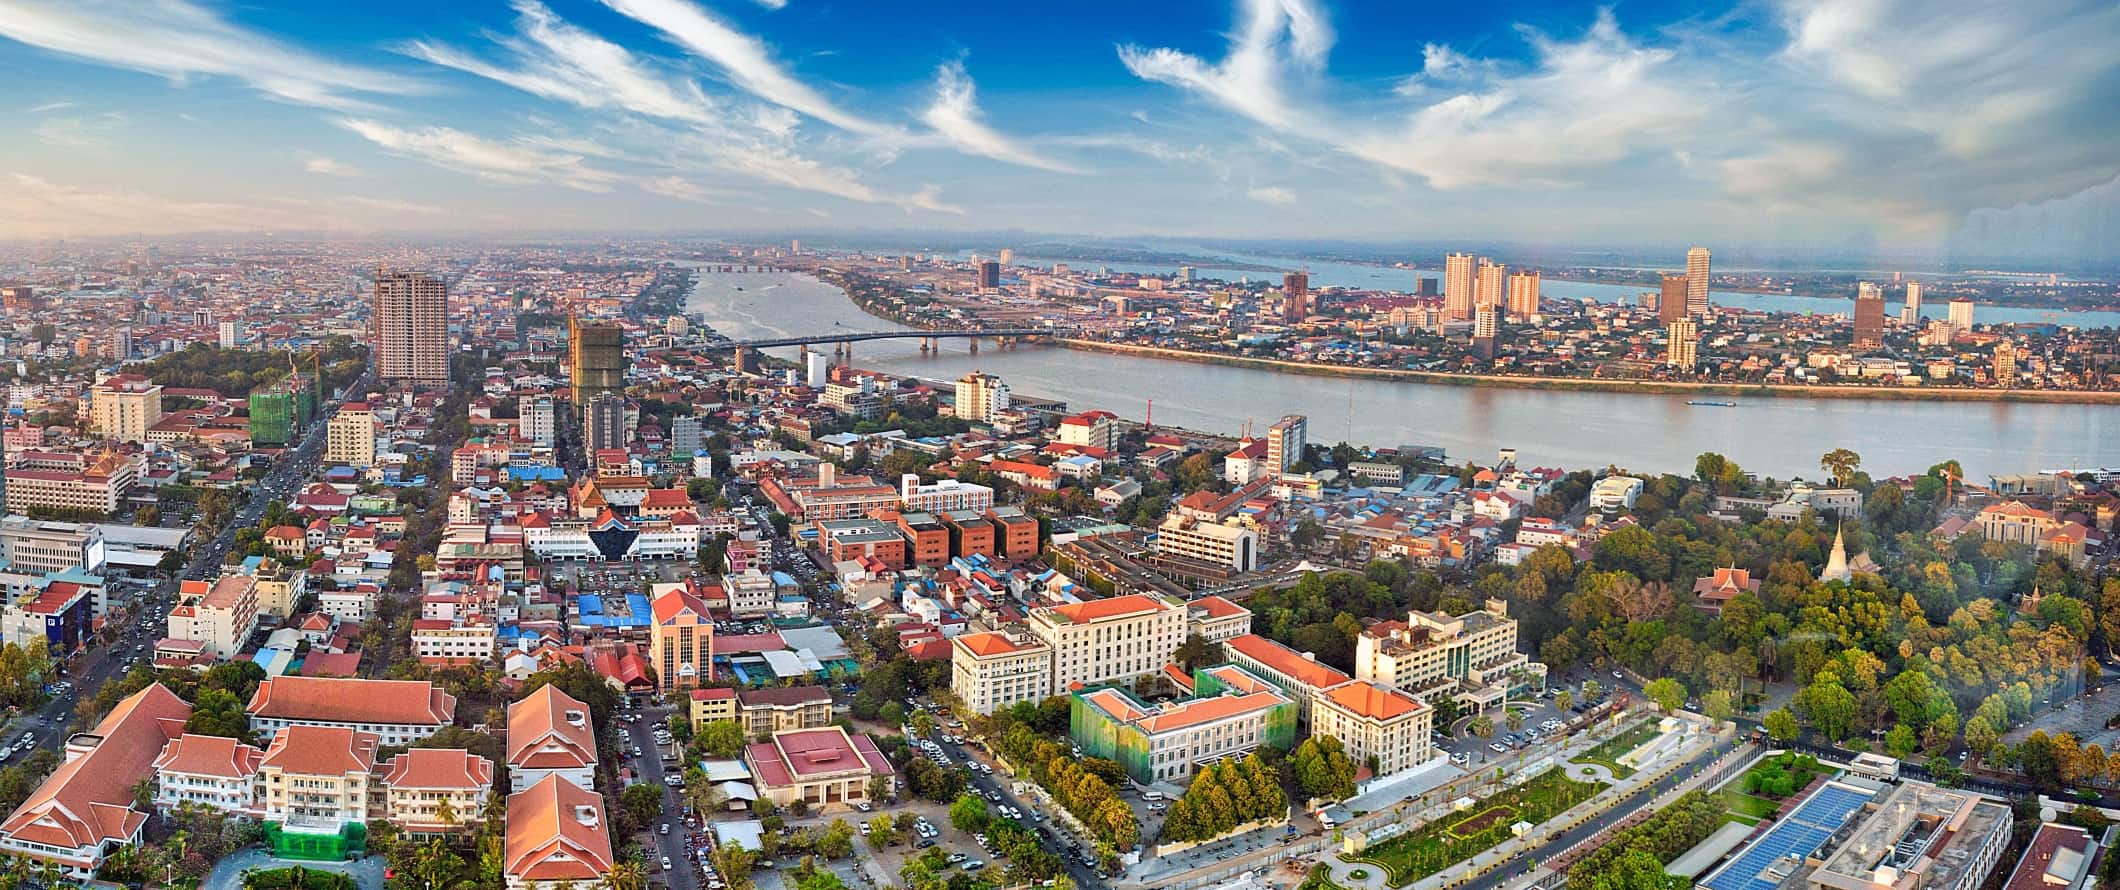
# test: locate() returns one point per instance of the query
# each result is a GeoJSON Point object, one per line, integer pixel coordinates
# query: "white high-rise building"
{"type": "Point", "coordinates": [539, 419]}
{"type": "Point", "coordinates": [1681, 350]}
{"type": "Point", "coordinates": [1697, 282]}
{"type": "Point", "coordinates": [980, 397]}
{"type": "Point", "coordinates": [818, 370]}
{"type": "Point", "coordinates": [1911, 312]}
{"type": "Point", "coordinates": [230, 336]}
{"type": "Point", "coordinates": [1961, 315]}
{"type": "Point", "coordinates": [1285, 441]}
{"type": "Point", "coordinates": [1488, 287]}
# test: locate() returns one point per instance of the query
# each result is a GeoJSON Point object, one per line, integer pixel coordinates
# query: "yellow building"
{"type": "Point", "coordinates": [1471, 656]}
{"type": "Point", "coordinates": [991, 671]}
{"type": "Point", "coordinates": [1374, 720]}
{"type": "Point", "coordinates": [418, 782]}
{"type": "Point", "coordinates": [316, 779]}
{"type": "Point", "coordinates": [1114, 639]}
{"type": "Point", "coordinates": [350, 437]}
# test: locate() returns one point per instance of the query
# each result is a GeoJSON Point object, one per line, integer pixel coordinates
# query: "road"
{"type": "Point", "coordinates": [1052, 831]}
{"type": "Point", "coordinates": [675, 847]}
{"type": "Point", "coordinates": [1521, 863]}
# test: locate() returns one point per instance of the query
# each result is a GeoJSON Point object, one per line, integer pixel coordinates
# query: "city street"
{"type": "Point", "coordinates": [675, 847]}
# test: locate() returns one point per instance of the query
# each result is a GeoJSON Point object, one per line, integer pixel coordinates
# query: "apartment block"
{"type": "Point", "coordinates": [778, 709]}
{"type": "Point", "coordinates": [990, 671]}
{"type": "Point", "coordinates": [1216, 619]}
{"type": "Point", "coordinates": [220, 616]}
{"type": "Point", "coordinates": [681, 640]}
{"type": "Point", "coordinates": [215, 772]}
{"type": "Point", "coordinates": [420, 782]}
{"type": "Point", "coordinates": [87, 483]}
{"type": "Point", "coordinates": [316, 779]}
{"type": "Point", "coordinates": [1016, 533]}
{"type": "Point", "coordinates": [124, 407]}
{"type": "Point", "coordinates": [33, 546]}
{"type": "Point", "coordinates": [1106, 640]}
{"type": "Point", "coordinates": [1226, 546]}
{"type": "Point", "coordinates": [942, 495]}
{"type": "Point", "coordinates": [349, 439]}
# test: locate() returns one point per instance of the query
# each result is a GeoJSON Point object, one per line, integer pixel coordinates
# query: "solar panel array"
{"type": "Point", "coordinates": [1799, 834]}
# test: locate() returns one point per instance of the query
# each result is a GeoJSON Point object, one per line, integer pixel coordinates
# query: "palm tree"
{"type": "Point", "coordinates": [1564, 699]}
{"type": "Point", "coordinates": [1516, 720]}
{"type": "Point", "coordinates": [445, 813]}
{"type": "Point", "coordinates": [628, 874]}
{"type": "Point", "coordinates": [1840, 462]}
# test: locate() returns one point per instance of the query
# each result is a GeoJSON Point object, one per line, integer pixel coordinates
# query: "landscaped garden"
{"type": "Point", "coordinates": [1443, 843]}
{"type": "Point", "coordinates": [1759, 792]}
{"type": "Point", "coordinates": [1608, 754]}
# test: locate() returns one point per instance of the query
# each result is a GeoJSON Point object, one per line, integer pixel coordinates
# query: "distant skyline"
{"type": "Point", "coordinates": [1987, 129]}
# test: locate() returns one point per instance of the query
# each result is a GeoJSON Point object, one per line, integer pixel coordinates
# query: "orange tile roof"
{"type": "Point", "coordinates": [1219, 607]}
{"type": "Point", "coordinates": [1287, 662]}
{"type": "Point", "coordinates": [1373, 701]}
{"type": "Point", "coordinates": [557, 833]}
{"type": "Point", "coordinates": [88, 799]}
{"type": "Point", "coordinates": [993, 643]}
{"type": "Point", "coordinates": [340, 700]}
{"type": "Point", "coordinates": [209, 755]}
{"type": "Point", "coordinates": [1112, 607]}
{"type": "Point", "coordinates": [449, 768]}
{"type": "Point", "coordinates": [676, 602]}
{"type": "Point", "coordinates": [543, 734]}
{"type": "Point", "coordinates": [1209, 710]}
{"type": "Point", "coordinates": [321, 751]}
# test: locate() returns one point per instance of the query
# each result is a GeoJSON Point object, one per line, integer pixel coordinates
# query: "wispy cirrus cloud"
{"type": "Point", "coordinates": [1275, 39]}
{"type": "Point", "coordinates": [35, 207]}
{"type": "Point", "coordinates": [504, 162]}
{"type": "Point", "coordinates": [49, 107]}
{"type": "Point", "coordinates": [745, 60]}
{"type": "Point", "coordinates": [179, 40]}
{"type": "Point", "coordinates": [324, 166]}
{"type": "Point", "coordinates": [556, 60]}
{"type": "Point", "coordinates": [1271, 194]}
{"type": "Point", "coordinates": [955, 116]}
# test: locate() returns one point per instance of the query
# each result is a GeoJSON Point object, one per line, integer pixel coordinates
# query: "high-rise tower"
{"type": "Point", "coordinates": [1697, 282]}
{"type": "Point", "coordinates": [410, 327]}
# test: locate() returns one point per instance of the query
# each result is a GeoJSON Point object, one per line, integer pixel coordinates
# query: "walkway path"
{"type": "Point", "coordinates": [1345, 874]}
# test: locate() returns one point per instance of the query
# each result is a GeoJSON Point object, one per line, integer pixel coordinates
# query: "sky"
{"type": "Point", "coordinates": [1991, 126]}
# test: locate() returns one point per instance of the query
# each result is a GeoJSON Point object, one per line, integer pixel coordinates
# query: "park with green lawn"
{"type": "Point", "coordinates": [1760, 792]}
{"type": "Point", "coordinates": [1460, 836]}
{"type": "Point", "coordinates": [1611, 750]}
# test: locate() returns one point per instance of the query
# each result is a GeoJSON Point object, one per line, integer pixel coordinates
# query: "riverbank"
{"type": "Point", "coordinates": [1569, 384]}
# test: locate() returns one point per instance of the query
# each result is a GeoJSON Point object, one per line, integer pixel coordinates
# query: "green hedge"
{"type": "Point", "coordinates": [296, 878]}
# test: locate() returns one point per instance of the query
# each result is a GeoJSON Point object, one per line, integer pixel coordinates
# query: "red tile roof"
{"type": "Point", "coordinates": [88, 799]}
{"type": "Point", "coordinates": [557, 833]}
{"type": "Point", "coordinates": [209, 755]}
{"type": "Point", "coordinates": [336, 700]}
{"type": "Point", "coordinates": [322, 751]}
{"type": "Point", "coordinates": [444, 768]}
{"type": "Point", "coordinates": [549, 729]}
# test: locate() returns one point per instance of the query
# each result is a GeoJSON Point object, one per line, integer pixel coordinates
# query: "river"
{"type": "Point", "coordinates": [1648, 432]}
{"type": "Point", "coordinates": [1361, 277]}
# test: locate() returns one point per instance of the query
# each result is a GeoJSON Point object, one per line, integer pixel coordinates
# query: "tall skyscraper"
{"type": "Point", "coordinates": [1285, 441]}
{"type": "Point", "coordinates": [231, 335]}
{"type": "Point", "coordinates": [410, 326]}
{"type": "Point", "coordinates": [596, 359]}
{"type": "Point", "coordinates": [1697, 282]}
{"type": "Point", "coordinates": [1457, 286]}
{"type": "Point", "coordinates": [2005, 363]}
{"type": "Point", "coordinates": [1008, 256]}
{"type": "Point", "coordinates": [1869, 316]}
{"type": "Point", "coordinates": [1961, 315]}
{"type": "Point", "coordinates": [1486, 322]}
{"type": "Point", "coordinates": [1682, 345]}
{"type": "Point", "coordinates": [989, 275]}
{"type": "Point", "coordinates": [1671, 299]}
{"type": "Point", "coordinates": [1910, 314]}
{"type": "Point", "coordinates": [1488, 287]}
{"type": "Point", "coordinates": [1295, 297]}
{"type": "Point", "coordinates": [604, 422]}
{"type": "Point", "coordinates": [1523, 296]}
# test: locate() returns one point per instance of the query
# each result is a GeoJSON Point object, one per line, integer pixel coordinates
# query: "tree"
{"type": "Point", "coordinates": [837, 842]}
{"type": "Point", "coordinates": [1482, 727]}
{"type": "Point", "coordinates": [1514, 719]}
{"type": "Point", "coordinates": [1841, 464]}
{"type": "Point", "coordinates": [881, 832]}
{"type": "Point", "coordinates": [1196, 652]}
{"type": "Point", "coordinates": [969, 814]}
{"type": "Point", "coordinates": [1717, 704]}
{"type": "Point", "coordinates": [1781, 725]}
{"type": "Point", "coordinates": [1899, 741]}
{"type": "Point", "coordinates": [734, 863]}
{"type": "Point", "coordinates": [720, 739]}
{"type": "Point", "coordinates": [642, 802]}
{"type": "Point", "coordinates": [1666, 693]}
{"type": "Point", "coordinates": [626, 874]}
{"type": "Point", "coordinates": [1322, 769]}
{"type": "Point", "coordinates": [1831, 707]}
{"type": "Point", "coordinates": [1564, 700]}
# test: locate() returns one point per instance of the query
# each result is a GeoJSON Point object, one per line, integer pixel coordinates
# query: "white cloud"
{"type": "Point", "coordinates": [1271, 194]}
{"type": "Point", "coordinates": [744, 59]}
{"type": "Point", "coordinates": [956, 117]}
{"type": "Point", "coordinates": [1586, 105]}
{"type": "Point", "coordinates": [680, 188]}
{"type": "Point", "coordinates": [559, 61]}
{"type": "Point", "coordinates": [773, 4]}
{"type": "Point", "coordinates": [51, 106]}
{"type": "Point", "coordinates": [35, 207]}
{"type": "Point", "coordinates": [179, 40]}
{"type": "Point", "coordinates": [511, 163]}
{"type": "Point", "coordinates": [324, 166]}
{"type": "Point", "coordinates": [93, 132]}
{"type": "Point", "coordinates": [1274, 38]}
{"type": "Point", "coordinates": [392, 205]}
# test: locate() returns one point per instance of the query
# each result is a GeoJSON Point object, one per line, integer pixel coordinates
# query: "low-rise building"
{"type": "Point", "coordinates": [1114, 639]}
{"type": "Point", "coordinates": [84, 811]}
{"type": "Point", "coordinates": [315, 780]}
{"type": "Point", "coordinates": [1230, 713]}
{"type": "Point", "coordinates": [1229, 546]}
{"type": "Point", "coordinates": [780, 708]}
{"type": "Point", "coordinates": [826, 768]}
{"type": "Point", "coordinates": [1299, 674]}
{"type": "Point", "coordinates": [549, 734]}
{"type": "Point", "coordinates": [436, 790]}
{"type": "Point", "coordinates": [398, 712]}
{"type": "Point", "coordinates": [220, 616]}
{"type": "Point", "coordinates": [215, 772]}
{"type": "Point", "coordinates": [1472, 657]}
{"type": "Point", "coordinates": [556, 836]}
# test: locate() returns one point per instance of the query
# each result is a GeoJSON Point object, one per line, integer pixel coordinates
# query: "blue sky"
{"type": "Point", "coordinates": [1781, 122]}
